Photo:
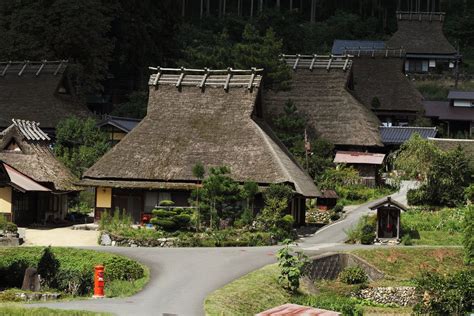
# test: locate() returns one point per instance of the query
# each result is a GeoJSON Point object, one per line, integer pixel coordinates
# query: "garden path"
{"type": "Point", "coordinates": [60, 237]}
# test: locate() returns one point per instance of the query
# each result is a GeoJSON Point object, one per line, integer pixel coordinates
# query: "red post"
{"type": "Point", "coordinates": [99, 281]}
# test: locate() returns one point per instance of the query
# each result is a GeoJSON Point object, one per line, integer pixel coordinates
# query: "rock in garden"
{"type": "Point", "coordinates": [31, 280]}
{"type": "Point", "coordinates": [105, 240]}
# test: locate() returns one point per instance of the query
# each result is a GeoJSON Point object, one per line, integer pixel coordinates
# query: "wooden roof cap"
{"type": "Point", "coordinates": [205, 77]}
{"type": "Point", "coordinates": [388, 201]}
{"type": "Point", "coordinates": [313, 61]}
{"type": "Point", "coordinates": [31, 130]}
{"type": "Point", "coordinates": [37, 67]}
{"type": "Point", "coordinates": [420, 16]}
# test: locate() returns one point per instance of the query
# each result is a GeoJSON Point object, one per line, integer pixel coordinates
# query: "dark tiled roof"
{"type": "Point", "coordinates": [463, 95]}
{"type": "Point", "coordinates": [395, 135]}
{"type": "Point", "coordinates": [421, 34]}
{"type": "Point", "coordinates": [444, 111]}
{"type": "Point", "coordinates": [340, 46]}
{"type": "Point", "coordinates": [125, 124]}
{"type": "Point", "coordinates": [29, 91]}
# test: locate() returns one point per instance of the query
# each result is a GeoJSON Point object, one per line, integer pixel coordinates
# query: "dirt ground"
{"type": "Point", "coordinates": [62, 237]}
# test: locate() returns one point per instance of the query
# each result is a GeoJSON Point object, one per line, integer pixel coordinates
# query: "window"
{"type": "Point", "coordinates": [417, 65]}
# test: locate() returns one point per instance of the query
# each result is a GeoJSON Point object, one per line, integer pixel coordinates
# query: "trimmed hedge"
{"type": "Point", "coordinates": [76, 267]}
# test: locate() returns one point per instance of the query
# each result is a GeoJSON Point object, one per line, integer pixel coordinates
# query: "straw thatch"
{"type": "Point", "coordinates": [331, 111]}
{"type": "Point", "coordinates": [189, 124]}
{"type": "Point", "coordinates": [29, 91]}
{"type": "Point", "coordinates": [383, 78]}
{"type": "Point", "coordinates": [35, 159]}
{"type": "Point", "coordinates": [421, 33]}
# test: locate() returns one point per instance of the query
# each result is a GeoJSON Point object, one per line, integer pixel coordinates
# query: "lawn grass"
{"type": "Point", "coordinates": [403, 264]}
{"type": "Point", "coordinates": [252, 293]}
{"type": "Point", "coordinates": [438, 238]}
{"type": "Point", "coordinates": [14, 310]}
{"type": "Point", "coordinates": [121, 288]}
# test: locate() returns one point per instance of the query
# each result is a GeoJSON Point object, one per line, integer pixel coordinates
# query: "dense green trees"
{"type": "Point", "coordinates": [79, 144]}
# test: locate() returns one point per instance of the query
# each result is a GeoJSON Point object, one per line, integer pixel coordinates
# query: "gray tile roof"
{"type": "Point", "coordinates": [463, 95]}
{"type": "Point", "coordinates": [339, 46]}
{"type": "Point", "coordinates": [396, 135]}
{"type": "Point", "coordinates": [444, 111]}
{"type": "Point", "coordinates": [125, 124]}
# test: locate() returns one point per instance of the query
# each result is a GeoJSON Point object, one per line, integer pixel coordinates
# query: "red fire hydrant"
{"type": "Point", "coordinates": [99, 281]}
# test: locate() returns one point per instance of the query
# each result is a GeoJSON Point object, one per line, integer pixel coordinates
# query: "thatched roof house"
{"type": "Point", "coordinates": [26, 147]}
{"type": "Point", "coordinates": [381, 85]}
{"type": "Point", "coordinates": [37, 91]}
{"type": "Point", "coordinates": [420, 34]}
{"type": "Point", "coordinates": [34, 185]}
{"type": "Point", "coordinates": [319, 89]}
{"type": "Point", "coordinates": [198, 116]}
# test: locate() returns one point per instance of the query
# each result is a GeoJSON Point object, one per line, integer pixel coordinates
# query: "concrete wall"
{"type": "Point", "coordinates": [328, 266]}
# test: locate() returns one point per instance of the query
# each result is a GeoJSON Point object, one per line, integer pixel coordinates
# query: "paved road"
{"type": "Point", "coordinates": [336, 233]}
{"type": "Point", "coordinates": [181, 278]}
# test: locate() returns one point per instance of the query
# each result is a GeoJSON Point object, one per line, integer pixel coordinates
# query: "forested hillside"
{"type": "Point", "coordinates": [110, 44]}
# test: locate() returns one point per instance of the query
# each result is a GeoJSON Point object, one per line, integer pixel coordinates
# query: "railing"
{"type": "Point", "coordinates": [311, 62]}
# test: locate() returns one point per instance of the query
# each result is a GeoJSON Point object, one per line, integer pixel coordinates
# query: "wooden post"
{"type": "Point", "coordinates": [251, 8]}
{"type": "Point", "coordinates": [183, 9]}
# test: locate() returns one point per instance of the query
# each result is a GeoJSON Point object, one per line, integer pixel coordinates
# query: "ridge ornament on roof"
{"type": "Point", "coordinates": [310, 62]}
{"type": "Point", "coordinates": [421, 16]}
{"type": "Point", "coordinates": [206, 77]}
{"type": "Point", "coordinates": [36, 67]}
{"type": "Point", "coordinates": [30, 130]}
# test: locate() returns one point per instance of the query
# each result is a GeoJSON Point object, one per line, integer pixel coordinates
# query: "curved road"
{"type": "Point", "coordinates": [181, 278]}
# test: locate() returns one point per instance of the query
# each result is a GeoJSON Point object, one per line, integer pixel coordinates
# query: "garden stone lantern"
{"type": "Point", "coordinates": [388, 220]}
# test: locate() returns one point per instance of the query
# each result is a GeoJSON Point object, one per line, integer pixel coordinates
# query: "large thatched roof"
{"type": "Point", "coordinates": [319, 91]}
{"type": "Point", "coordinates": [382, 78]}
{"type": "Point", "coordinates": [31, 91]}
{"type": "Point", "coordinates": [199, 117]}
{"type": "Point", "coordinates": [421, 33]}
{"type": "Point", "coordinates": [25, 147]}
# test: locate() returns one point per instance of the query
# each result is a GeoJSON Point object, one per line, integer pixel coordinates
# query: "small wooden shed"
{"type": "Point", "coordinates": [388, 219]}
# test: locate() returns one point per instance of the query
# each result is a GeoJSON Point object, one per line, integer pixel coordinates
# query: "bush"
{"type": "Point", "coordinates": [469, 193]}
{"type": "Point", "coordinates": [415, 197]}
{"type": "Point", "coordinates": [75, 270]}
{"type": "Point", "coordinates": [6, 226]}
{"type": "Point", "coordinates": [171, 218]}
{"type": "Point", "coordinates": [445, 295]}
{"type": "Point", "coordinates": [406, 240]}
{"type": "Point", "coordinates": [468, 235]}
{"type": "Point", "coordinates": [364, 231]}
{"type": "Point", "coordinates": [48, 267]}
{"type": "Point", "coordinates": [353, 275]}
{"type": "Point", "coordinates": [446, 219]}
{"type": "Point", "coordinates": [291, 267]}
{"type": "Point", "coordinates": [345, 305]}
{"type": "Point", "coordinates": [338, 208]}
{"type": "Point", "coordinates": [334, 216]}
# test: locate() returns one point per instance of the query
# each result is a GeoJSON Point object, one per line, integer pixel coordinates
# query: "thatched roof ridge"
{"type": "Point", "coordinates": [30, 91]}
{"type": "Point", "coordinates": [332, 112]}
{"type": "Point", "coordinates": [35, 159]}
{"type": "Point", "coordinates": [383, 78]}
{"type": "Point", "coordinates": [421, 33]}
{"type": "Point", "coordinates": [189, 125]}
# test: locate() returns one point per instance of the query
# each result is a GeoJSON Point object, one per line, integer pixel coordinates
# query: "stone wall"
{"type": "Point", "coordinates": [328, 266]}
{"type": "Point", "coordinates": [107, 239]}
{"type": "Point", "coordinates": [402, 295]}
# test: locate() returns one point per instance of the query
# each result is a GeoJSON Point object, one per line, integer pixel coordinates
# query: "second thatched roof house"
{"type": "Point", "coordinates": [37, 91]}
{"type": "Point", "coordinates": [194, 116]}
{"type": "Point", "coordinates": [320, 91]}
{"type": "Point", "coordinates": [34, 185]}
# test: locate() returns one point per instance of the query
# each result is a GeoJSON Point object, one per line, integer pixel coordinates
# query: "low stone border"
{"type": "Point", "coordinates": [402, 295]}
{"type": "Point", "coordinates": [36, 296]}
{"type": "Point", "coordinates": [107, 239]}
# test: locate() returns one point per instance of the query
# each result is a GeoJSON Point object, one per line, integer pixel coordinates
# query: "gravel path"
{"type": "Point", "coordinates": [60, 237]}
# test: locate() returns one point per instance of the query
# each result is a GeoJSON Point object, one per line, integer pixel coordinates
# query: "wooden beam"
{"type": "Point", "coordinates": [23, 68]}
{"type": "Point", "coordinates": [6, 68]}
{"type": "Point", "coordinates": [227, 81]}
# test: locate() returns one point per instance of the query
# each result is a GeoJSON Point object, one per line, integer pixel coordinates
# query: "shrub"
{"type": "Point", "coordinates": [6, 226]}
{"type": "Point", "coordinates": [75, 267]}
{"type": "Point", "coordinates": [286, 223]}
{"type": "Point", "coordinates": [445, 295]}
{"type": "Point", "coordinates": [406, 240]}
{"type": "Point", "coordinates": [353, 275]}
{"type": "Point", "coordinates": [415, 197]}
{"type": "Point", "coordinates": [291, 267]}
{"type": "Point", "coordinates": [364, 231]}
{"type": "Point", "coordinates": [345, 305]}
{"type": "Point", "coordinates": [468, 235]}
{"type": "Point", "coordinates": [338, 208]}
{"type": "Point", "coordinates": [171, 218]}
{"type": "Point", "coordinates": [48, 267]}
{"type": "Point", "coordinates": [469, 193]}
{"type": "Point", "coordinates": [335, 216]}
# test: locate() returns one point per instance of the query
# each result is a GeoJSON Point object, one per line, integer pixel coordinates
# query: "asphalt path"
{"type": "Point", "coordinates": [181, 278]}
